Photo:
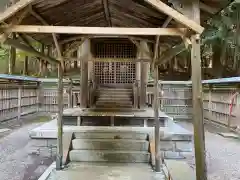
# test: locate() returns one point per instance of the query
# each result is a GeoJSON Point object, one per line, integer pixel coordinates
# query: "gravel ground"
{"type": "Point", "coordinates": [223, 154]}
{"type": "Point", "coordinates": [22, 158]}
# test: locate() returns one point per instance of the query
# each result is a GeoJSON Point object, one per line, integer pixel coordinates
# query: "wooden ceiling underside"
{"type": "Point", "coordinates": [104, 13]}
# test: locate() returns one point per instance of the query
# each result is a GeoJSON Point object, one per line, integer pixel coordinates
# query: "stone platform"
{"type": "Point", "coordinates": [113, 117]}
{"type": "Point", "coordinates": [176, 142]}
{"type": "Point", "coordinates": [105, 171]}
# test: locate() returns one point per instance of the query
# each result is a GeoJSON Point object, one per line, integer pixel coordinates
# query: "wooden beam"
{"type": "Point", "coordinates": [156, 48]}
{"type": "Point", "coordinates": [23, 47]}
{"type": "Point", "coordinates": [148, 53]}
{"type": "Point", "coordinates": [38, 17]}
{"type": "Point", "coordinates": [14, 9]}
{"type": "Point", "coordinates": [209, 9]}
{"type": "Point", "coordinates": [176, 15]}
{"type": "Point", "coordinates": [73, 47]}
{"type": "Point", "coordinates": [59, 51]}
{"type": "Point", "coordinates": [203, 6]}
{"type": "Point", "coordinates": [94, 30]}
{"type": "Point", "coordinates": [107, 12]}
{"type": "Point", "coordinates": [80, 37]}
{"type": "Point", "coordinates": [16, 21]}
{"type": "Point", "coordinates": [170, 53]}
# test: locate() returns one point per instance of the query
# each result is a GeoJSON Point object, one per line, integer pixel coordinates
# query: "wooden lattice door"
{"type": "Point", "coordinates": [116, 72]}
{"type": "Point", "coordinates": [113, 61]}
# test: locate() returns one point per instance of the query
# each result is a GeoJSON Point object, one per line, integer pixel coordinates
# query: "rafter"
{"type": "Point", "coordinates": [176, 15]}
{"type": "Point", "coordinates": [94, 30]}
{"type": "Point", "coordinates": [16, 21]}
{"type": "Point", "coordinates": [107, 12]}
{"type": "Point", "coordinates": [14, 9]}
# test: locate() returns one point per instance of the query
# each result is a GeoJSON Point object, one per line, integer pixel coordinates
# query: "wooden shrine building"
{"type": "Point", "coordinates": [117, 43]}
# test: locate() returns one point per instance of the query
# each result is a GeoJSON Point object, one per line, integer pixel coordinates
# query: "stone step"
{"type": "Point", "coordinates": [109, 156]}
{"type": "Point", "coordinates": [110, 144]}
{"type": "Point", "coordinates": [114, 98]}
{"type": "Point", "coordinates": [114, 89]}
{"type": "Point", "coordinates": [113, 106]}
{"type": "Point", "coordinates": [112, 102]}
{"type": "Point", "coordinates": [115, 92]}
{"type": "Point", "coordinates": [107, 171]}
{"type": "Point", "coordinates": [111, 135]}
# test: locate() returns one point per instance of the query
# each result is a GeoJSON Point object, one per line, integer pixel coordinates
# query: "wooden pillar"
{"type": "Point", "coordinates": [39, 96]}
{"type": "Point", "coordinates": [41, 62]}
{"type": "Point", "coordinates": [157, 123]}
{"type": "Point", "coordinates": [25, 69]}
{"type": "Point", "coordinates": [60, 119]}
{"type": "Point", "coordinates": [145, 67]}
{"type": "Point", "coordinates": [70, 95]}
{"type": "Point", "coordinates": [199, 137]}
{"type": "Point", "coordinates": [19, 102]}
{"type": "Point", "coordinates": [83, 53]}
{"type": "Point", "coordinates": [59, 159]}
{"type": "Point", "coordinates": [12, 58]}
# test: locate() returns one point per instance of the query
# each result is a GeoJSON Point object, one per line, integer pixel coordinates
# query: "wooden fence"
{"type": "Point", "coordinates": [221, 103]}
{"type": "Point", "coordinates": [18, 99]}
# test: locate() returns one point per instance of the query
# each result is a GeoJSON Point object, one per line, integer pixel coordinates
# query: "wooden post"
{"type": "Point", "coordinates": [199, 137]}
{"type": "Point", "coordinates": [12, 58]}
{"type": "Point", "coordinates": [143, 90]}
{"type": "Point", "coordinates": [60, 119]}
{"type": "Point", "coordinates": [25, 70]}
{"type": "Point", "coordinates": [84, 51]}
{"type": "Point", "coordinates": [41, 62]}
{"type": "Point", "coordinates": [70, 95]}
{"type": "Point", "coordinates": [19, 102]}
{"type": "Point", "coordinates": [157, 123]}
{"type": "Point", "coordinates": [145, 67]}
{"type": "Point", "coordinates": [39, 93]}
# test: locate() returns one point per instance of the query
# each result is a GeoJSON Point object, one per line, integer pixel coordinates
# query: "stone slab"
{"type": "Point", "coordinates": [145, 113]}
{"type": "Point", "coordinates": [111, 135]}
{"type": "Point", "coordinates": [109, 156]}
{"type": "Point", "coordinates": [4, 130]}
{"type": "Point", "coordinates": [113, 144]}
{"type": "Point", "coordinates": [229, 135]}
{"type": "Point", "coordinates": [106, 171]}
{"type": "Point", "coordinates": [171, 132]}
{"type": "Point", "coordinates": [176, 173]}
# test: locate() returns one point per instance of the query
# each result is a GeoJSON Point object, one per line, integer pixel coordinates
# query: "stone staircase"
{"type": "Point", "coordinates": [114, 98]}
{"type": "Point", "coordinates": [112, 147]}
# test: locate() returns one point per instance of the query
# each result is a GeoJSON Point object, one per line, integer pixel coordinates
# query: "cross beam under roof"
{"type": "Point", "coordinates": [94, 30]}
